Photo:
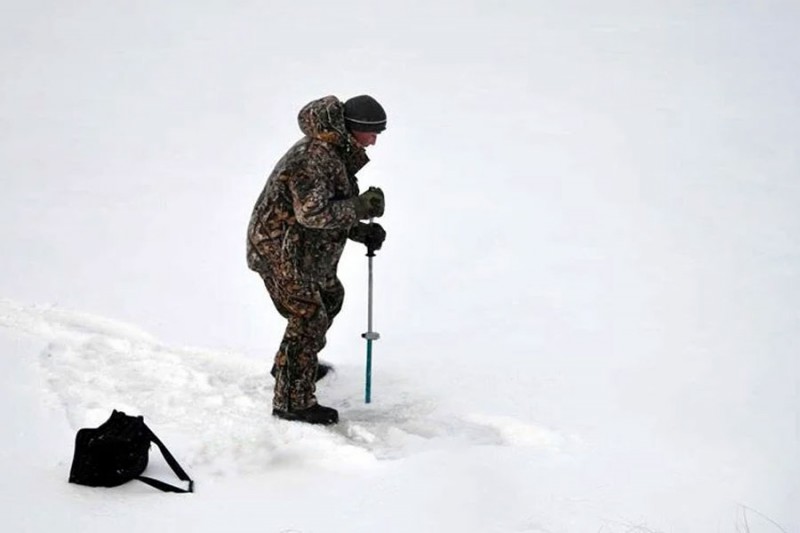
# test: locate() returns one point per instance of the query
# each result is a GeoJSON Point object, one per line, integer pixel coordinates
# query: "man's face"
{"type": "Point", "coordinates": [365, 138]}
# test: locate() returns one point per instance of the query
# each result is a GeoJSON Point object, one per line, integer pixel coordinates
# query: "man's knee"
{"type": "Point", "coordinates": [332, 297]}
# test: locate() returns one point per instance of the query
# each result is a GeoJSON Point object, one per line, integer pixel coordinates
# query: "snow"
{"type": "Point", "coordinates": [587, 299]}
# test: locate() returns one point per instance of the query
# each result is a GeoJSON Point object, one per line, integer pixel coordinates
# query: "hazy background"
{"type": "Point", "coordinates": [591, 209]}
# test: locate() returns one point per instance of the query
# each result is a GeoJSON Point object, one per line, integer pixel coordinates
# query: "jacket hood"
{"type": "Point", "coordinates": [323, 119]}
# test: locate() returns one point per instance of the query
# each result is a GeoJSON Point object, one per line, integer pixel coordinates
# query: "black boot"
{"type": "Point", "coordinates": [318, 414]}
{"type": "Point", "coordinates": [323, 369]}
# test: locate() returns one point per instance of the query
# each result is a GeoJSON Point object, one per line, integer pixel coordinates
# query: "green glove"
{"type": "Point", "coordinates": [370, 204]}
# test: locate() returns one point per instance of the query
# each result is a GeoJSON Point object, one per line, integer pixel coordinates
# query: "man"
{"type": "Point", "coordinates": [308, 209]}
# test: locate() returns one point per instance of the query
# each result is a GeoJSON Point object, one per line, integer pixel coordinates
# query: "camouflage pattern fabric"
{"type": "Point", "coordinates": [310, 311]}
{"type": "Point", "coordinates": [297, 233]}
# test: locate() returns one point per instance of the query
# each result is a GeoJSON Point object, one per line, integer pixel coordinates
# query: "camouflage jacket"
{"type": "Point", "coordinates": [302, 218]}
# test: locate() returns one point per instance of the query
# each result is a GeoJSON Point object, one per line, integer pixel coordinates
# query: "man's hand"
{"type": "Point", "coordinates": [370, 204]}
{"type": "Point", "coordinates": [372, 235]}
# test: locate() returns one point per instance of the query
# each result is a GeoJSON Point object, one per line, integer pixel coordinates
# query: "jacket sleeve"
{"type": "Point", "coordinates": [312, 197]}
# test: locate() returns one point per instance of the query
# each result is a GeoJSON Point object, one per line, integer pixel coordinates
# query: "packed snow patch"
{"type": "Point", "coordinates": [217, 404]}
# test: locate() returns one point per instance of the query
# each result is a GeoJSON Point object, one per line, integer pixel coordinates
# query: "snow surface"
{"type": "Point", "coordinates": [588, 299]}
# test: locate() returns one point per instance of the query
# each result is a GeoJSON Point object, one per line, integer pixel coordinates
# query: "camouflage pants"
{"type": "Point", "coordinates": [310, 309]}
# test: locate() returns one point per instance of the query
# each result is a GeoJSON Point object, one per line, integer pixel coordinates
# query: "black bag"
{"type": "Point", "coordinates": [117, 452]}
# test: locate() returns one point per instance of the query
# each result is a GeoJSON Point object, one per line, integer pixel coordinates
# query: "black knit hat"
{"type": "Point", "coordinates": [364, 113]}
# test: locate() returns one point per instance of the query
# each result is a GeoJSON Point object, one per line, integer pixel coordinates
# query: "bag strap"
{"type": "Point", "coordinates": [160, 485]}
{"type": "Point", "coordinates": [165, 487]}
